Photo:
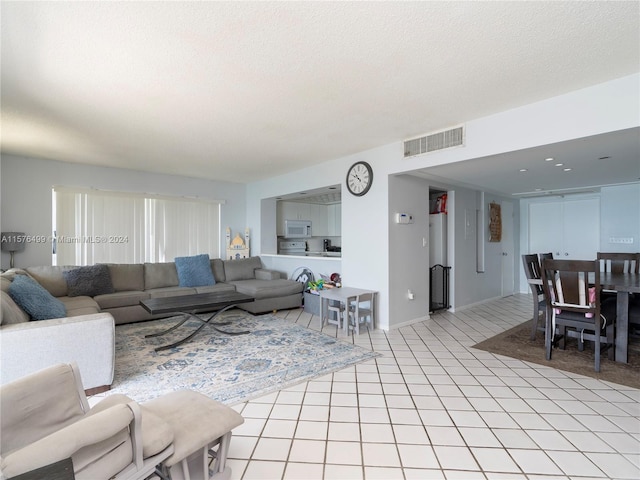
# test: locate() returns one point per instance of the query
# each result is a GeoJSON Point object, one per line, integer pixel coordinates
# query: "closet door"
{"type": "Point", "coordinates": [569, 228]}
{"type": "Point", "coordinates": [581, 229]}
{"type": "Point", "coordinates": [543, 235]}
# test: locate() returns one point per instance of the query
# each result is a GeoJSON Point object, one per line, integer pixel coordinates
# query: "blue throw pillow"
{"type": "Point", "coordinates": [35, 300]}
{"type": "Point", "coordinates": [194, 271]}
{"type": "Point", "coordinates": [90, 281]}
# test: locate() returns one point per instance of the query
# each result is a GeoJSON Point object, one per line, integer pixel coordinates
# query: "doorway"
{"type": "Point", "coordinates": [440, 254]}
{"type": "Point", "coordinates": [508, 250]}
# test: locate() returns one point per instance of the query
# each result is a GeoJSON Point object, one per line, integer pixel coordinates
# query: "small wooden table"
{"type": "Point", "coordinates": [343, 295]}
{"type": "Point", "coordinates": [189, 305]}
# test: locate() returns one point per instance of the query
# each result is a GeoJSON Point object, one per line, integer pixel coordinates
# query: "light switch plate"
{"type": "Point", "coordinates": [624, 240]}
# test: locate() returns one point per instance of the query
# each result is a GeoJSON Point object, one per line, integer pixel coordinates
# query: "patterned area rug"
{"type": "Point", "coordinates": [231, 369]}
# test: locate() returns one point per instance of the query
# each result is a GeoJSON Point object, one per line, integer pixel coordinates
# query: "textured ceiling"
{"type": "Point", "coordinates": [240, 91]}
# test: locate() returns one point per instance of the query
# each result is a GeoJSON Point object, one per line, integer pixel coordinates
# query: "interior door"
{"type": "Point", "coordinates": [581, 229]}
{"type": "Point", "coordinates": [544, 235]}
{"type": "Point", "coordinates": [508, 249]}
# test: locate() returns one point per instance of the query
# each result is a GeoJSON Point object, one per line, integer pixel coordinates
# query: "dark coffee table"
{"type": "Point", "coordinates": [189, 305]}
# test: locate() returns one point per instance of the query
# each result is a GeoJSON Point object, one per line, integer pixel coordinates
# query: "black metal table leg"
{"type": "Point", "coordinates": [206, 322]}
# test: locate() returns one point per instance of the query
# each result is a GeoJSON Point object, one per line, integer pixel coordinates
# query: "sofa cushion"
{"type": "Point", "coordinates": [194, 271]}
{"type": "Point", "coordinates": [126, 276]}
{"type": "Point", "coordinates": [35, 300]}
{"type": "Point", "coordinates": [217, 267]}
{"type": "Point", "coordinates": [88, 281]}
{"type": "Point", "coordinates": [242, 269]}
{"type": "Point", "coordinates": [170, 291]}
{"type": "Point", "coordinates": [218, 287]}
{"type": "Point", "coordinates": [11, 312]}
{"type": "Point", "coordinates": [268, 288]}
{"type": "Point", "coordinates": [77, 306]}
{"type": "Point", "coordinates": [160, 275]}
{"type": "Point", "coordinates": [120, 299]}
{"type": "Point", "coordinates": [51, 278]}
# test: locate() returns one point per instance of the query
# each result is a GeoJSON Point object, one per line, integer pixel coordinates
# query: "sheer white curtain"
{"type": "Point", "coordinates": [94, 226]}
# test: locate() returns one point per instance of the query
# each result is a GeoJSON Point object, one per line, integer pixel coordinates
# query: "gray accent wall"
{"type": "Point", "coordinates": [27, 200]}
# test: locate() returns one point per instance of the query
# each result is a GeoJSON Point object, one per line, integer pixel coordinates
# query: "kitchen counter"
{"type": "Point", "coordinates": [324, 254]}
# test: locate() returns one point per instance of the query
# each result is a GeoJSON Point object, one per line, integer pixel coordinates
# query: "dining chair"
{"type": "Point", "coordinates": [574, 307]}
{"type": "Point", "coordinates": [619, 262]}
{"type": "Point", "coordinates": [361, 310]}
{"type": "Point", "coordinates": [532, 271]}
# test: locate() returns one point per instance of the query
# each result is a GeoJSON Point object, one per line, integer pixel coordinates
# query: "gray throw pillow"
{"type": "Point", "coordinates": [35, 300]}
{"type": "Point", "coordinates": [90, 281]}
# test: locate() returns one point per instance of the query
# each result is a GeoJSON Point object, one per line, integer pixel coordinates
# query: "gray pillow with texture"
{"type": "Point", "coordinates": [88, 281]}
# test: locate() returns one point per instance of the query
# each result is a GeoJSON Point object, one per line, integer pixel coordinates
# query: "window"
{"type": "Point", "coordinates": [95, 226]}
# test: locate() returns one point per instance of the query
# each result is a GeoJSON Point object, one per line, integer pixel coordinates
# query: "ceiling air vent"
{"type": "Point", "coordinates": [434, 141]}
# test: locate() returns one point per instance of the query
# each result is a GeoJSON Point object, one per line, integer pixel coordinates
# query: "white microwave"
{"type": "Point", "coordinates": [297, 228]}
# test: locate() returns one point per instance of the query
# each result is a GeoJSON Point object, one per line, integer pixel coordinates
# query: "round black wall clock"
{"type": "Point", "coordinates": [359, 178]}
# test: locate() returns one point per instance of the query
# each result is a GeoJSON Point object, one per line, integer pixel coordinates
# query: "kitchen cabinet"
{"type": "Point", "coordinates": [318, 214]}
{"type": "Point", "coordinates": [334, 220]}
{"type": "Point", "coordinates": [569, 228]}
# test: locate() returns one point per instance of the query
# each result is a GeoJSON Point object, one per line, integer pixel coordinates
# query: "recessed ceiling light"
{"type": "Point", "coordinates": [566, 169]}
{"type": "Point", "coordinates": [523, 170]}
{"type": "Point", "coordinates": [559, 164]}
{"type": "Point", "coordinates": [538, 189]}
{"type": "Point", "coordinates": [549, 159]}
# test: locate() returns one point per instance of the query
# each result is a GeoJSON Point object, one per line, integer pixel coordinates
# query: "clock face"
{"type": "Point", "coordinates": [359, 178]}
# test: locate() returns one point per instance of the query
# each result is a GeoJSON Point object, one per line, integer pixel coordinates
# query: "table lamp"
{"type": "Point", "coordinates": [12, 242]}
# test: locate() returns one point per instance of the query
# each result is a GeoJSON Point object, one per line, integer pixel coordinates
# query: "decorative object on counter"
{"type": "Point", "coordinates": [359, 178]}
{"type": "Point", "coordinates": [238, 248]}
{"type": "Point", "coordinates": [13, 242]}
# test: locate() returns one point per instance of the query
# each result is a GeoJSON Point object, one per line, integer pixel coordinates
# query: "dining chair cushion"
{"type": "Point", "coordinates": [607, 313]}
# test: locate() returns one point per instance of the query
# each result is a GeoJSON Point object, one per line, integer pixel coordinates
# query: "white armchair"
{"type": "Point", "coordinates": [45, 417]}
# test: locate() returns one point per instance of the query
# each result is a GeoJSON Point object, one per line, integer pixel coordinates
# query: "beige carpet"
{"type": "Point", "coordinates": [515, 343]}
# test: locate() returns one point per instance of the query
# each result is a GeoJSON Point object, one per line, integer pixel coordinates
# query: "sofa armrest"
{"type": "Point", "coordinates": [111, 425]}
{"type": "Point", "coordinates": [88, 340]}
{"type": "Point", "coordinates": [264, 274]}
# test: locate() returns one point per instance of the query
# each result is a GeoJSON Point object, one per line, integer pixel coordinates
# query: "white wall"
{"type": "Point", "coordinates": [599, 109]}
{"type": "Point", "coordinates": [26, 197]}
{"type": "Point", "coordinates": [408, 253]}
{"type": "Point", "coordinates": [620, 217]}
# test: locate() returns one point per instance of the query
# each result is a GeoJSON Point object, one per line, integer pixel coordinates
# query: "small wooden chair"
{"type": "Point", "coordinates": [361, 310]}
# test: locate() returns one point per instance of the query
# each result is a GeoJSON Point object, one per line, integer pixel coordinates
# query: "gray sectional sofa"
{"type": "Point", "coordinates": [87, 334]}
{"type": "Point", "coordinates": [135, 282]}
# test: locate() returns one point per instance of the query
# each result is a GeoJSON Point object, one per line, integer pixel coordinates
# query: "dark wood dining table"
{"type": "Point", "coordinates": [623, 284]}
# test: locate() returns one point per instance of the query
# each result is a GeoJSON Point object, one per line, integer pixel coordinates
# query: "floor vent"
{"type": "Point", "coordinates": [434, 141]}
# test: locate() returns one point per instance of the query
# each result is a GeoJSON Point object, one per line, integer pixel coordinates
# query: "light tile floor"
{"type": "Point", "coordinates": [433, 408]}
